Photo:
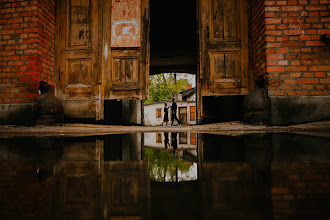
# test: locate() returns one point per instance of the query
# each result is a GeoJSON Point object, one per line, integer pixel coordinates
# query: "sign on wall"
{"type": "Point", "coordinates": [126, 23]}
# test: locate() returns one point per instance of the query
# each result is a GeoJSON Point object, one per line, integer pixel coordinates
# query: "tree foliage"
{"type": "Point", "coordinates": [162, 87]}
{"type": "Point", "coordinates": [164, 163]}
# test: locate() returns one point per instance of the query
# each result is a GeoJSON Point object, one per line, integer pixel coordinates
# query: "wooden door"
{"type": "Point", "coordinates": [183, 115]}
{"type": "Point", "coordinates": [77, 180]}
{"type": "Point", "coordinates": [126, 190]}
{"type": "Point", "coordinates": [223, 61]}
{"type": "Point", "coordinates": [125, 49]}
{"type": "Point", "coordinates": [78, 64]}
{"type": "Point", "coordinates": [102, 53]}
{"type": "Point", "coordinates": [78, 190]}
{"type": "Point", "coordinates": [226, 190]}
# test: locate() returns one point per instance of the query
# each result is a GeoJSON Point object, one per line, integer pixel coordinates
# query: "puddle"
{"type": "Point", "coordinates": [165, 175]}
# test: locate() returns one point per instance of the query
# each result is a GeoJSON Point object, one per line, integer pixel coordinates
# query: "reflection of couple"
{"type": "Point", "coordinates": [174, 141]}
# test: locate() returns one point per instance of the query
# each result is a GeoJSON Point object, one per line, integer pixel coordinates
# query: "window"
{"type": "Point", "coordinates": [192, 113]}
{"type": "Point", "coordinates": [193, 138]}
{"type": "Point", "coordinates": [158, 137]}
{"type": "Point", "coordinates": [182, 137]}
{"type": "Point", "coordinates": [158, 112]}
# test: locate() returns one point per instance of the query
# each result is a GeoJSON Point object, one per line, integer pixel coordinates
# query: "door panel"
{"type": "Point", "coordinates": [125, 49]}
{"type": "Point", "coordinates": [78, 61]}
{"type": "Point", "coordinates": [224, 47]}
{"type": "Point", "coordinates": [183, 115]}
{"type": "Point", "coordinates": [126, 190]}
{"type": "Point", "coordinates": [226, 189]}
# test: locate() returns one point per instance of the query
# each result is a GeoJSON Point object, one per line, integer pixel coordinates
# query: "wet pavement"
{"type": "Point", "coordinates": [235, 128]}
{"type": "Point", "coordinates": [218, 171]}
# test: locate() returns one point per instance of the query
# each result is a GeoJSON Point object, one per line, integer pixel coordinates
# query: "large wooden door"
{"type": "Point", "coordinates": [223, 45]}
{"type": "Point", "coordinates": [102, 53]}
{"type": "Point", "coordinates": [224, 63]}
{"type": "Point", "coordinates": [78, 63]}
{"type": "Point", "coordinates": [77, 180]}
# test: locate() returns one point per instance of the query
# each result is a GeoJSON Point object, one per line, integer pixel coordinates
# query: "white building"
{"type": "Point", "coordinates": [182, 144]}
{"type": "Point", "coordinates": [186, 102]}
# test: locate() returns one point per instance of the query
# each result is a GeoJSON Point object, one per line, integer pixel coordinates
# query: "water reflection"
{"type": "Point", "coordinates": [154, 176]}
{"type": "Point", "coordinates": [171, 159]}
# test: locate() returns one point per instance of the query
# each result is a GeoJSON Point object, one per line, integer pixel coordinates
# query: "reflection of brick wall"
{"type": "Point", "coordinates": [27, 33]}
{"type": "Point", "coordinates": [17, 189]}
{"type": "Point", "coordinates": [300, 190]}
{"type": "Point", "coordinates": [298, 62]}
{"type": "Point", "coordinates": [22, 196]}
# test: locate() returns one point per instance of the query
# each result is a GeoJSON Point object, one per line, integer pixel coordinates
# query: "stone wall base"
{"type": "Point", "coordinates": [299, 109]}
{"type": "Point", "coordinates": [16, 114]}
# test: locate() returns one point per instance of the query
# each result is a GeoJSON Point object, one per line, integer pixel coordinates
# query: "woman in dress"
{"type": "Point", "coordinates": [165, 120]}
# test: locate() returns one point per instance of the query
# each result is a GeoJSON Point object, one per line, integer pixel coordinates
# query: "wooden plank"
{"type": "Point", "coordinates": [231, 20]}
{"type": "Point", "coordinates": [246, 68]}
{"type": "Point", "coordinates": [217, 22]}
{"type": "Point", "coordinates": [232, 67]}
{"type": "Point", "coordinates": [79, 29]}
{"type": "Point", "coordinates": [106, 49]}
{"type": "Point", "coordinates": [120, 86]}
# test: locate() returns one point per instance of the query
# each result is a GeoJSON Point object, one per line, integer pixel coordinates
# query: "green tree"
{"type": "Point", "coordinates": [162, 163]}
{"type": "Point", "coordinates": [163, 86]}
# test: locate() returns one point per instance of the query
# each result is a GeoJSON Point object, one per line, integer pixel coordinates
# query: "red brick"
{"type": "Point", "coordinates": [282, 50]}
{"type": "Point", "coordinates": [275, 57]}
{"type": "Point", "coordinates": [296, 68]}
{"type": "Point", "coordinates": [319, 68]}
{"type": "Point", "coordinates": [307, 81]}
{"type": "Point", "coordinates": [316, 8]}
{"type": "Point", "coordinates": [320, 74]}
{"type": "Point", "coordinates": [275, 69]}
{"type": "Point", "coordinates": [315, 43]}
{"type": "Point", "coordinates": [273, 20]}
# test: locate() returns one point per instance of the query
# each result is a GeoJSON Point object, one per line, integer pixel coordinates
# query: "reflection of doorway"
{"type": "Point", "coordinates": [183, 115]}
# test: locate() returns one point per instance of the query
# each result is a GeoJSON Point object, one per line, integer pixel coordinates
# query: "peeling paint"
{"type": "Point", "coordinates": [106, 53]}
{"type": "Point", "coordinates": [126, 23]}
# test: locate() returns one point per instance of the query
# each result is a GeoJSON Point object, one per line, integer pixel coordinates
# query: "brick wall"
{"type": "Point", "coordinates": [300, 190]}
{"type": "Point", "coordinates": [298, 62]}
{"type": "Point", "coordinates": [27, 32]}
{"type": "Point", "coordinates": [258, 37]}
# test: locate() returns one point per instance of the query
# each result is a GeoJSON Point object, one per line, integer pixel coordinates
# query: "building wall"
{"type": "Point", "coordinates": [27, 34]}
{"type": "Point", "coordinates": [150, 113]}
{"type": "Point", "coordinates": [150, 140]}
{"type": "Point", "coordinates": [297, 61]}
{"type": "Point", "coordinates": [300, 190]}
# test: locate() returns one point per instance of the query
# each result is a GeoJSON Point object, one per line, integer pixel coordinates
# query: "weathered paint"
{"type": "Point", "coordinates": [126, 23]}
{"type": "Point", "coordinates": [106, 52]}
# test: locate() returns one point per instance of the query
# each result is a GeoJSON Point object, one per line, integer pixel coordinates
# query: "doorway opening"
{"type": "Point", "coordinates": [173, 58]}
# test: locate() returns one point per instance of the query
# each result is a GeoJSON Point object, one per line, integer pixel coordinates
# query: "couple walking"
{"type": "Point", "coordinates": [174, 108]}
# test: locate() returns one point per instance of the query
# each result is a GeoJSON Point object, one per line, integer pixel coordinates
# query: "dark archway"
{"type": "Point", "coordinates": [173, 36]}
